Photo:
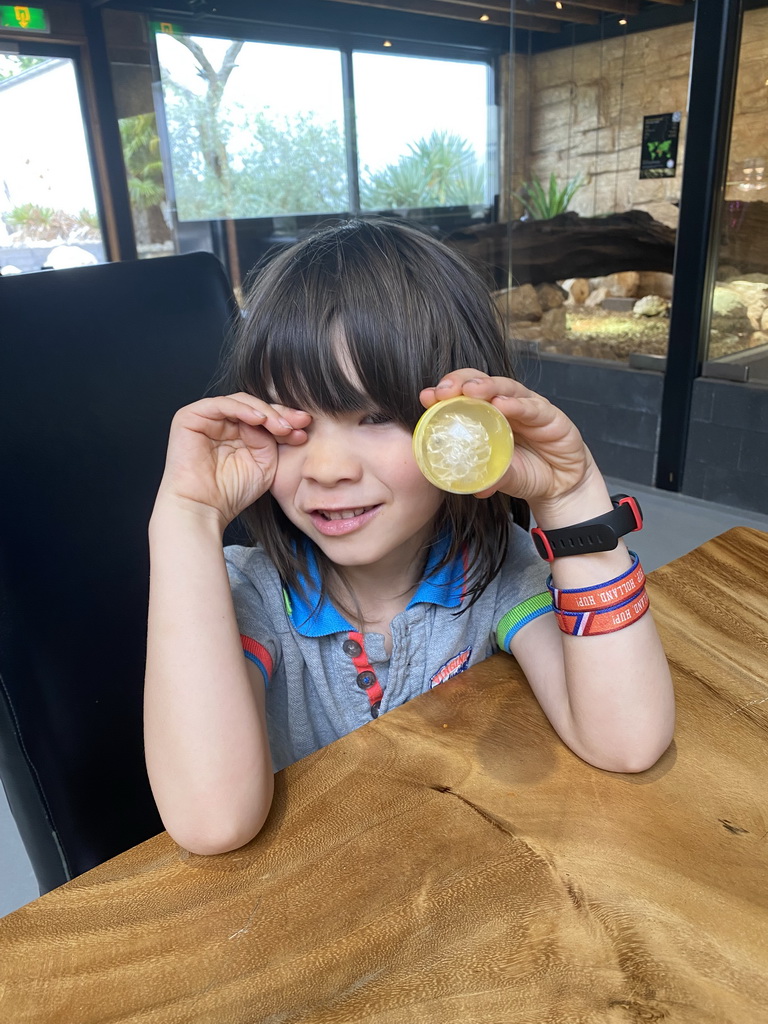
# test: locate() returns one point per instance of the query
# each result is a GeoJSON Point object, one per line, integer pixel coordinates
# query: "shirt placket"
{"type": "Point", "coordinates": [367, 680]}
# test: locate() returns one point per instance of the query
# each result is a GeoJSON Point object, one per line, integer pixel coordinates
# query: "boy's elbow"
{"type": "Point", "coordinates": [217, 834]}
{"type": "Point", "coordinates": [208, 842]}
{"type": "Point", "coordinates": [633, 760]}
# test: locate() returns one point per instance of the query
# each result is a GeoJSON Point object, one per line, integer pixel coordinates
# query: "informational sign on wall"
{"type": "Point", "coordinates": [658, 157]}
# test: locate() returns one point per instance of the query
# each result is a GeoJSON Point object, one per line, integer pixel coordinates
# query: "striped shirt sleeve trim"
{"type": "Point", "coordinates": [259, 655]}
{"type": "Point", "coordinates": [520, 616]}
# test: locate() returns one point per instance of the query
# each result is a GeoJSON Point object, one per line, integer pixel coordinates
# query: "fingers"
{"type": "Point", "coordinates": [474, 384]}
{"type": "Point", "coordinates": [226, 416]}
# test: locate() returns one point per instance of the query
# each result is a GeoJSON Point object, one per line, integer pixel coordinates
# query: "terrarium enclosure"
{"type": "Point", "coordinates": [596, 281]}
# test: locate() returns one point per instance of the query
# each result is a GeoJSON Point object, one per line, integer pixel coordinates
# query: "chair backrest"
{"type": "Point", "coordinates": [94, 361]}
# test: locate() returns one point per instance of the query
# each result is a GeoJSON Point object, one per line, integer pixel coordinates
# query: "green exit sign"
{"type": "Point", "coordinates": [33, 19]}
{"type": "Point", "coordinates": [166, 28]}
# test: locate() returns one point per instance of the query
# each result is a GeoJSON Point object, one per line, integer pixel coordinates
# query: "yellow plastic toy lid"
{"type": "Point", "coordinates": [463, 445]}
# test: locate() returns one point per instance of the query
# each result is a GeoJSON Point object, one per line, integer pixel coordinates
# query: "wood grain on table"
{"type": "Point", "coordinates": [453, 861]}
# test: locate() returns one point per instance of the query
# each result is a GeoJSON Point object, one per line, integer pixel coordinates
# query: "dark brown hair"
{"type": "Point", "coordinates": [409, 310]}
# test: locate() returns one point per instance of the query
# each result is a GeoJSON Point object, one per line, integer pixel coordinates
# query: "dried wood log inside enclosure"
{"type": "Point", "coordinates": [570, 246]}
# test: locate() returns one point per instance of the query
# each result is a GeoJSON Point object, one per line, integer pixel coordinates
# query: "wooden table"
{"type": "Point", "coordinates": [453, 861]}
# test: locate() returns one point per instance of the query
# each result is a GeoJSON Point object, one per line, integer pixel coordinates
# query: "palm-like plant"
{"type": "Point", "coordinates": [441, 170]}
{"type": "Point", "coordinates": [542, 203]}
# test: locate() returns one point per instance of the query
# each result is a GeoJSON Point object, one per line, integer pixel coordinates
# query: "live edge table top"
{"type": "Point", "coordinates": [453, 861]}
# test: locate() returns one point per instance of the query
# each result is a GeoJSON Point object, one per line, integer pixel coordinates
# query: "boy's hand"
{"type": "Point", "coordinates": [222, 453]}
{"type": "Point", "coordinates": [551, 465]}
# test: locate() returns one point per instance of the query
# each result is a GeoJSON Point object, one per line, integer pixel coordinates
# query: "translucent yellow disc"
{"type": "Point", "coordinates": [463, 445]}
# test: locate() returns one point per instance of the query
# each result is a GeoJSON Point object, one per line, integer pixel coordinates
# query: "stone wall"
{"type": "Point", "coordinates": [579, 110]}
{"type": "Point", "coordinates": [749, 139]}
{"type": "Point", "coordinates": [583, 107]}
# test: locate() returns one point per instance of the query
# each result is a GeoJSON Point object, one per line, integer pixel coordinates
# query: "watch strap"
{"type": "Point", "coordinates": [599, 534]}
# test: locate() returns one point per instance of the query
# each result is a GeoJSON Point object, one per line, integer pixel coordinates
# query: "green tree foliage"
{"type": "Point", "coordinates": [442, 170]}
{"type": "Point", "coordinates": [296, 166]}
{"type": "Point", "coordinates": [285, 165]}
{"type": "Point", "coordinates": [12, 65]}
{"type": "Point", "coordinates": [143, 164]}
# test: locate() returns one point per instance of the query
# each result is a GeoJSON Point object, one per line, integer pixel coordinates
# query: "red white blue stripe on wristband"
{"type": "Point", "coordinates": [607, 621]}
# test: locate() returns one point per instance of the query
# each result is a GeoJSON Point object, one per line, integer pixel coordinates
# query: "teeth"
{"type": "Point", "coordinates": [348, 513]}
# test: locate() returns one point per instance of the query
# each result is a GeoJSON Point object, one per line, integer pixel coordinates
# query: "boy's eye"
{"type": "Point", "coordinates": [374, 418]}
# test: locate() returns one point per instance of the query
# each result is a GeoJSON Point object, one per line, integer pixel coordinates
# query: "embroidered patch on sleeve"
{"type": "Point", "coordinates": [452, 668]}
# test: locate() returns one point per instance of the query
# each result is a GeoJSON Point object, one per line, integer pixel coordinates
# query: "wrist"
{"type": "Point", "coordinates": [589, 499]}
{"type": "Point", "coordinates": [172, 515]}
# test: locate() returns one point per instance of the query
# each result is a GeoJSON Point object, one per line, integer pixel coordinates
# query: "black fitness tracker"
{"type": "Point", "coordinates": [599, 534]}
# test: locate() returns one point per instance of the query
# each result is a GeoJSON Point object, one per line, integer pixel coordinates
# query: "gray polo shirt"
{"type": "Point", "coordinates": [324, 679]}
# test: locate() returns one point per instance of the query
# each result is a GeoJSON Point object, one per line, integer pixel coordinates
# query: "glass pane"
{"type": "Point", "coordinates": [422, 132]}
{"type": "Point", "coordinates": [738, 341]}
{"type": "Point", "coordinates": [255, 129]}
{"type": "Point", "coordinates": [48, 213]}
{"type": "Point", "coordinates": [594, 188]}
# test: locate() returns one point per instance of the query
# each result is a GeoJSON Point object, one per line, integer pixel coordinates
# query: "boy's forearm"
{"type": "Point", "coordinates": [620, 696]}
{"type": "Point", "coordinates": [206, 745]}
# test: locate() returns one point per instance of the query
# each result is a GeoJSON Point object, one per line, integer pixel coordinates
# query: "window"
{"type": "Point", "coordinates": [422, 131]}
{"type": "Point", "coordinates": [254, 129]}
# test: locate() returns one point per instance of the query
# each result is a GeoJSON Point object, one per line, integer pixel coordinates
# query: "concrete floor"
{"type": "Point", "coordinates": [674, 525]}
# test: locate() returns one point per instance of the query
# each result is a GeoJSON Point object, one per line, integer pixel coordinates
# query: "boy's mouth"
{"type": "Point", "coordinates": [347, 513]}
{"type": "Point", "coordinates": [338, 521]}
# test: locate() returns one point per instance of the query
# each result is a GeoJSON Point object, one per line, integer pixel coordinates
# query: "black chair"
{"type": "Point", "coordinates": [93, 363]}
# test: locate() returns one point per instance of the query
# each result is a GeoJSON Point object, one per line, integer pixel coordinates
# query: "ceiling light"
{"type": "Point", "coordinates": [485, 17]}
{"type": "Point", "coordinates": [622, 21]}
{"type": "Point", "coordinates": [558, 5]}
{"type": "Point", "coordinates": [387, 42]}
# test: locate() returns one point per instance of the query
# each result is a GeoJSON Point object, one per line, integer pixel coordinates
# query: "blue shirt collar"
{"type": "Point", "coordinates": [314, 616]}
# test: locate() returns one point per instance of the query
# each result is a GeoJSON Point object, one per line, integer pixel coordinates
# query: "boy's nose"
{"type": "Point", "coordinates": [330, 456]}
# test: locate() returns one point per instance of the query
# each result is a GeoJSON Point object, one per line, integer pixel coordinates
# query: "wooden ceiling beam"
{"type": "Point", "coordinates": [439, 8]}
{"type": "Point", "coordinates": [547, 9]}
{"type": "Point", "coordinates": [628, 7]}
{"type": "Point", "coordinates": [532, 15]}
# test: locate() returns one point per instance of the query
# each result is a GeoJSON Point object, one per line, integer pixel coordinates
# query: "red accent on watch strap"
{"type": "Point", "coordinates": [549, 555]}
{"type": "Point", "coordinates": [632, 503]}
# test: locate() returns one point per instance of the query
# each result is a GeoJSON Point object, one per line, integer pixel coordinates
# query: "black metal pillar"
{"type": "Point", "coordinates": [124, 234]}
{"type": "Point", "coordinates": [714, 59]}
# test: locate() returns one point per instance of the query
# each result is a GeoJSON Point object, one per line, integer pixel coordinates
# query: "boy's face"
{"type": "Point", "coordinates": [354, 489]}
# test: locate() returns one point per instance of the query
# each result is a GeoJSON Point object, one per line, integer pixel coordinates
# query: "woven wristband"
{"type": "Point", "coordinates": [600, 596]}
{"type": "Point", "coordinates": [607, 621]}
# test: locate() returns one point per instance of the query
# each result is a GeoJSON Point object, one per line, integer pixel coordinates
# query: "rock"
{"type": "Point", "coordinates": [596, 297]}
{"type": "Point", "coordinates": [553, 323]}
{"type": "Point", "coordinates": [651, 305]}
{"type": "Point", "coordinates": [622, 284]}
{"type": "Point", "coordinates": [520, 303]}
{"type": "Point", "coordinates": [654, 282]}
{"type": "Point", "coordinates": [577, 288]}
{"type": "Point", "coordinates": [758, 338]}
{"type": "Point", "coordinates": [755, 311]}
{"type": "Point", "coordinates": [727, 303]}
{"type": "Point", "coordinates": [764, 321]}
{"type": "Point", "coordinates": [725, 272]}
{"type": "Point", "coordinates": [62, 257]}
{"type": "Point", "coordinates": [550, 296]}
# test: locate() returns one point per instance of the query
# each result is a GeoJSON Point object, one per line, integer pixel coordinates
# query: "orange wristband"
{"type": "Point", "coordinates": [603, 595]}
{"type": "Point", "coordinates": [609, 620]}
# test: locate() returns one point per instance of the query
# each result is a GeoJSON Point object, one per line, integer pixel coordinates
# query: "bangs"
{"type": "Point", "coordinates": [363, 318]}
{"type": "Point", "coordinates": [328, 371]}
